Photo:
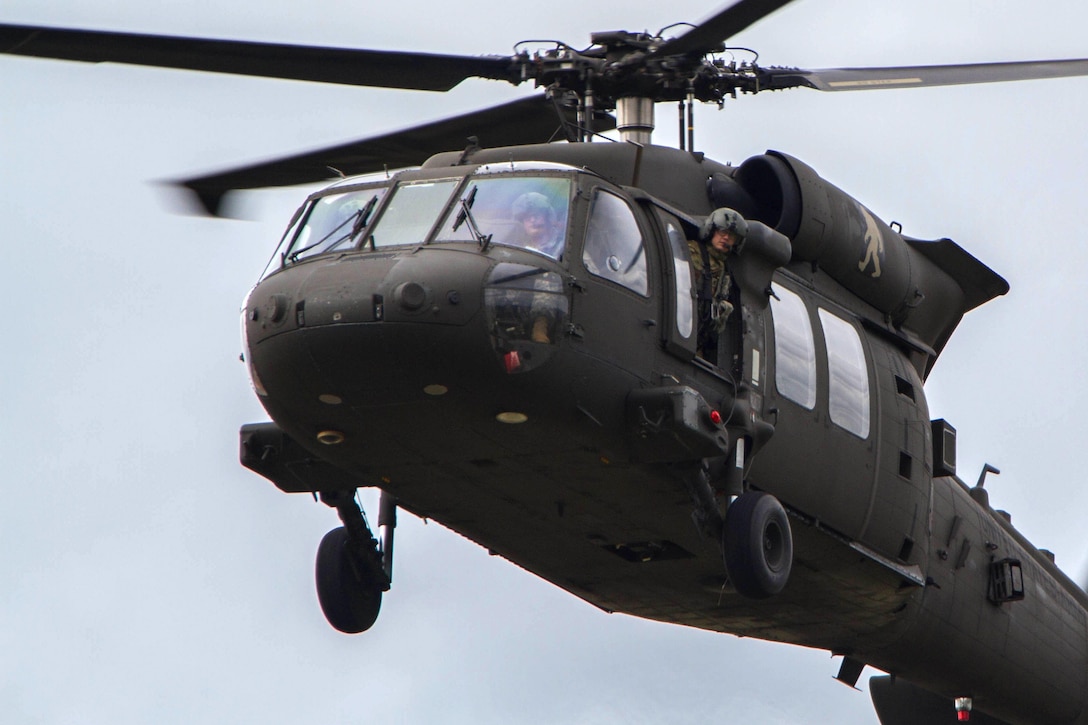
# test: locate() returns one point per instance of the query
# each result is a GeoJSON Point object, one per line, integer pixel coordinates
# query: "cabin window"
{"type": "Point", "coordinates": [795, 350]}
{"type": "Point", "coordinates": [848, 377]}
{"type": "Point", "coordinates": [411, 213]}
{"type": "Point", "coordinates": [685, 311]}
{"type": "Point", "coordinates": [614, 249]}
{"type": "Point", "coordinates": [334, 221]}
{"type": "Point", "coordinates": [518, 211]}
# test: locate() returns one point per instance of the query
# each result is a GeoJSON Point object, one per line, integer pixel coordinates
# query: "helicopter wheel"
{"type": "Point", "coordinates": [758, 545]}
{"type": "Point", "coordinates": [350, 595]}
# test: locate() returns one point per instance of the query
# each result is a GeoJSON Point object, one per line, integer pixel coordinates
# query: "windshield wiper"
{"type": "Point", "coordinates": [363, 217]}
{"type": "Point", "coordinates": [466, 215]}
{"type": "Point", "coordinates": [359, 220]}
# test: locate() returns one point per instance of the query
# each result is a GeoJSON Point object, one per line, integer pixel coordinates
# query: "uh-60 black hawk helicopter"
{"type": "Point", "coordinates": [551, 393]}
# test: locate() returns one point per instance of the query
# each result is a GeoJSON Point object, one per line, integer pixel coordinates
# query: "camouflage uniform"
{"type": "Point", "coordinates": [713, 295]}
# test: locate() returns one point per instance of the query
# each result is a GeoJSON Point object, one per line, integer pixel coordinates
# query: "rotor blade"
{"type": "Point", "coordinates": [385, 69]}
{"type": "Point", "coordinates": [528, 120]}
{"type": "Point", "coordinates": [710, 33]}
{"type": "Point", "coordinates": [867, 79]}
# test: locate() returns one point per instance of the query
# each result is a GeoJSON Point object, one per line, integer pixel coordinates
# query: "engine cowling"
{"type": "Point", "coordinates": [924, 287]}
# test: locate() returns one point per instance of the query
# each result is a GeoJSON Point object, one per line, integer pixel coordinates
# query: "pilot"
{"type": "Point", "coordinates": [721, 235]}
{"type": "Point", "coordinates": [538, 228]}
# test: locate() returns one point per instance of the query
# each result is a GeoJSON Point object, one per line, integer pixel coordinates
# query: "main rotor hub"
{"type": "Point", "coordinates": [623, 65]}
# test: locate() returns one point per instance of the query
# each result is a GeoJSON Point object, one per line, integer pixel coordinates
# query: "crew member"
{"type": "Point", "coordinates": [539, 230]}
{"type": "Point", "coordinates": [721, 236]}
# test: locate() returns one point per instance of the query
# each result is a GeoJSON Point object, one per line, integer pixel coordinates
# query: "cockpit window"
{"type": "Point", "coordinates": [334, 222]}
{"type": "Point", "coordinates": [518, 211]}
{"type": "Point", "coordinates": [411, 213]}
{"type": "Point", "coordinates": [614, 248]}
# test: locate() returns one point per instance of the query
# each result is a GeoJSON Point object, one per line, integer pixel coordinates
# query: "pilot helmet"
{"type": "Point", "coordinates": [727, 220]}
{"type": "Point", "coordinates": [532, 202]}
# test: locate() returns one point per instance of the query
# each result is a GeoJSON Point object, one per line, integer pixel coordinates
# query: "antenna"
{"type": "Point", "coordinates": [978, 493]}
{"type": "Point", "coordinates": [986, 468]}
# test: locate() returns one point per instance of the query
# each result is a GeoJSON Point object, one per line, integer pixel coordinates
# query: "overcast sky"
{"type": "Point", "coordinates": [147, 577]}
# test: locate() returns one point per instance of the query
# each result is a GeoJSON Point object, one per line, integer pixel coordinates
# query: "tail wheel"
{"type": "Point", "coordinates": [350, 595]}
{"type": "Point", "coordinates": [758, 545]}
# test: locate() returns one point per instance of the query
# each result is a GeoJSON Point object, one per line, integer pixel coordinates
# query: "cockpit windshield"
{"type": "Point", "coordinates": [334, 222]}
{"type": "Point", "coordinates": [411, 213]}
{"type": "Point", "coordinates": [519, 211]}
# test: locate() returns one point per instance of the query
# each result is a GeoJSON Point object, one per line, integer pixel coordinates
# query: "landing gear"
{"type": "Point", "coordinates": [350, 594]}
{"type": "Point", "coordinates": [754, 533]}
{"type": "Point", "coordinates": [351, 570]}
{"type": "Point", "coordinates": [758, 545]}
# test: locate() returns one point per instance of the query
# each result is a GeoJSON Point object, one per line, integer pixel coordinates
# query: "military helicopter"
{"type": "Point", "coordinates": [591, 424]}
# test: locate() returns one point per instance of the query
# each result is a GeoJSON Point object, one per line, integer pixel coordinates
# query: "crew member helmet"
{"type": "Point", "coordinates": [532, 202]}
{"type": "Point", "coordinates": [726, 220]}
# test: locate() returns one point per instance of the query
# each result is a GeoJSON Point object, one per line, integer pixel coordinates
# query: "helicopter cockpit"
{"type": "Point", "coordinates": [511, 207]}
{"type": "Point", "coordinates": [515, 218]}
{"type": "Point", "coordinates": [537, 222]}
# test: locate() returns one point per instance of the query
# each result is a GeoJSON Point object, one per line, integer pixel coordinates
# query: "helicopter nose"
{"type": "Point", "coordinates": [329, 322]}
{"type": "Point", "coordinates": [380, 360]}
{"type": "Point", "coordinates": [437, 288]}
{"type": "Point", "coordinates": [372, 332]}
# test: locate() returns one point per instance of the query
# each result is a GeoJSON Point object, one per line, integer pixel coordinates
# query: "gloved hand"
{"type": "Point", "coordinates": [720, 312]}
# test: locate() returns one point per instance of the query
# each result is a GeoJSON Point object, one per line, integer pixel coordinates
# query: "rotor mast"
{"type": "Point", "coordinates": [635, 119]}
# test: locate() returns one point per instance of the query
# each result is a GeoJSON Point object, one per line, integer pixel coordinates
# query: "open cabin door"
{"type": "Point", "coordinates": [740, 347]}
{"type": "Point", "coordinates": [734, 376]}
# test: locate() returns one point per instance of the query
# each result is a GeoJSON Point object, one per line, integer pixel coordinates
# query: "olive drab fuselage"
{"type": "Point", "coordinates": [546, 400]}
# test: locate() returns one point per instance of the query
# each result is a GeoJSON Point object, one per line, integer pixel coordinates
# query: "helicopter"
{"type": "Point", "coordinates": [683, 220]}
